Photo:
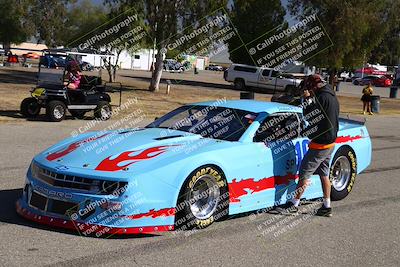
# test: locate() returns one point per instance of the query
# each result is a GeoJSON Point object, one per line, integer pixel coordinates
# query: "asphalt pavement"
{"type": "Point", "coordinates": [364, 229]}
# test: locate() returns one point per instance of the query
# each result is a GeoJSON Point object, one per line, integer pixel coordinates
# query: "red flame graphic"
{"type": "Point", "coordinates": [348, 138]}
{"type": "Point", "coordinates": [72, 147]}
{"type": "Point", "coordinates": [238, 189]}
{"type": "Point", "coordinates": [112, 165]}
{"type": "Point", "coordinates": [154, 214]}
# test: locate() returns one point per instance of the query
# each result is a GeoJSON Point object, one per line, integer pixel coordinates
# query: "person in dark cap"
{"type": "Point", "coordinates": [317, 158]}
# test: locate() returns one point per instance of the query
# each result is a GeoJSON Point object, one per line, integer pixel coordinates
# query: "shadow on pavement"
{"type": "Point", "coordinates": [41, 117]}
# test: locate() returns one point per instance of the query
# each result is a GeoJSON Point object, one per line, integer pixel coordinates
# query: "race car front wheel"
{"type": "Point", "coordinates": [343, 173]}
{"type": "Point", "coordinates": [203, 199]}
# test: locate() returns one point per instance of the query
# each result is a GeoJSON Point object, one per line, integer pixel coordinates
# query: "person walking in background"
{"type": "Point", "coordinates": [335, 82]}
{"type": "Point", "coordinates": [366, 98]}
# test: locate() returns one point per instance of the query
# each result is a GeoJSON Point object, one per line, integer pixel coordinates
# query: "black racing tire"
{"type": "Point", "coordinates": [214, 199]}
{"type": "Point", "coordinates": [56, 110]}
{"type": "Point", "coordinates": [103, 111]}
{"type": "Point", "coordinates": [356, 82]}
{"type": "Point", "coordinates": [79, 114]}
{"type": "Point", "coordinates": [239, 84]}
{"type": "Point", "coordinates": [30, 107]}
{"type": "Point", "coordinates": [343, 173]}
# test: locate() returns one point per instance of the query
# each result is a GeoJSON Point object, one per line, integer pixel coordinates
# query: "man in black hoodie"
{"type": "Point", "coordinates": [322, 108]}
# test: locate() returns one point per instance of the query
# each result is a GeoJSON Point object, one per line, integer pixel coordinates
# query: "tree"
{"type": "Point", "coordinates": [81, 19]}
{"type": "Point", "coordinates": [49, 17]}
{"type": "Point", "coordinates": [388, 51]}
{"type": "Point", "coordinates": [108, 30]}
{"type": "Point", "coordinates": [356, 27]}
{"type": "Point", "coordinates": [252, 19]}
{"type": "Point", "coordinates": [165, 20]}
{"type": "Point", "coordinates": [14, 25]}
{"type": "Point", "coordinates": [43, 19]}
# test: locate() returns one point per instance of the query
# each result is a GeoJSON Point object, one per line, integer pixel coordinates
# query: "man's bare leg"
{"type": "Point", "coordinates": [326, 188]}
{"type": "Point", "coordinates": [301, 187]}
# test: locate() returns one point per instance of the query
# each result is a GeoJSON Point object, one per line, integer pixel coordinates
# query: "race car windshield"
{"type": "Point", "coordinates": [208, 121]}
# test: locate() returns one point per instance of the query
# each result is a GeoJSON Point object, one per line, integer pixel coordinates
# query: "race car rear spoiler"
{"type": "Point", "coordinates": [352, 119]}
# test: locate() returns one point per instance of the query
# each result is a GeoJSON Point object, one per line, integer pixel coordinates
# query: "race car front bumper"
{"type": "Point", "coordinates": [85, 228]}
{"type": "Point", "coordinates": [94, 214]}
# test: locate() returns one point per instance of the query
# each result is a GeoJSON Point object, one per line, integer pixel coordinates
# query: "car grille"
{"type": "Point", "coordinates": [38, 201]}
{"type": "Point", "coordinates": [43, 203]}
{"type": "Point", "coordinates": [62, 207]}
{"type": "Point", "coordinates": [94, 186]}
{"type": "Point", "coordinates": [66, 181]}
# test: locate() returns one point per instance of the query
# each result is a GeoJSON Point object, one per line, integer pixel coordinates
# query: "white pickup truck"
{"type": "Point", "coordinates": [243, 76]}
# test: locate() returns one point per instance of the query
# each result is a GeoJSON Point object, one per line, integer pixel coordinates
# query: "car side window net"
{"type": "Point", "coordinates": [278, 128]}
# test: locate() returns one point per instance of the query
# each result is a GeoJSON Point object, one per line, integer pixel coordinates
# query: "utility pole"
{"type": "Point", "coordinates": [362, 70]}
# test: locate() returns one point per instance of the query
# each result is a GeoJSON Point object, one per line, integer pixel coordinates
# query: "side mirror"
{"type": "Point", "coordinates": [156, 118]}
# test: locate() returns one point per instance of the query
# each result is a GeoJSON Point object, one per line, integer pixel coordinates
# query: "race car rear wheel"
{"type": "Point", "coordinates": [343, 173]}
{"type": "Point", "coordinates": [203, 199]}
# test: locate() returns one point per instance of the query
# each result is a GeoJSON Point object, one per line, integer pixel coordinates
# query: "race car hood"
{"type": "Point", "coordinates": [123, 150]}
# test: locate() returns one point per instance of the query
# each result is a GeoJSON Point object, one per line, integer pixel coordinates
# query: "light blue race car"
{"type": "Point", "coordinates": [197, 164]}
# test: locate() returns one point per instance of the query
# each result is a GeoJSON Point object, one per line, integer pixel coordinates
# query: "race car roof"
{"type": "Point", "coordinates": [252, 106]}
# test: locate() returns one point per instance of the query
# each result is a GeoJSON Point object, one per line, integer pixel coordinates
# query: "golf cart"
{"type": "Point", "coordinates": [52, 93]}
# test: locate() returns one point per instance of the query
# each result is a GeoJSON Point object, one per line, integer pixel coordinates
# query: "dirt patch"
{"type": "Point", "coordinates": [15, 84]}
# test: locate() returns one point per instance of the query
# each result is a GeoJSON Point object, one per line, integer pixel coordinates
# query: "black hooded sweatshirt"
{"type": "Point", "coordinates": [326, 106]}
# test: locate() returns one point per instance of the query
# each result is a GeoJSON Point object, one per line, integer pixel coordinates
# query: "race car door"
{"type": "Point", "coordinates": [280, 133]}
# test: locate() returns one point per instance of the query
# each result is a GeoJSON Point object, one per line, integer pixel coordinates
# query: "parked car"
{"type": "Point", "coordinates": [31, 55]}
{"type": "Point", "coordinates": [376, 80]}
{"type": "Point", "coordinates": [383, 81]}
{"type": "Point", "coordinates": [214, 67]}
{"type": "Point", "coordinates": [86, 66]}
{"type": "Point", "coordinates": [173, 66]}
{"type": "Point", "coordinates": [244, 76]}
{"type": "Point", "coordinates": [345, 76]}
{"type": "Point", "coordinates": [53, 61]}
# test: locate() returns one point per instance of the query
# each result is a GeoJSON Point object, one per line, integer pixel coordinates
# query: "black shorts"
{"type": "Point", "coordinates": [366, 98]}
